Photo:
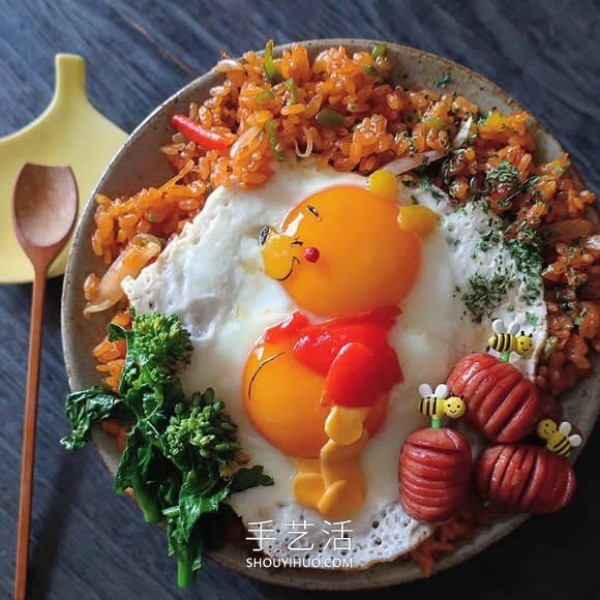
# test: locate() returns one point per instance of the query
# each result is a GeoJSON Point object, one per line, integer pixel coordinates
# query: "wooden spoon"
{"type": "Point", "coordinates": [45, 203]}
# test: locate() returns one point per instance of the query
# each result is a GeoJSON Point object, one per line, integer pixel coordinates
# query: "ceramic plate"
{"type": "Point", "coordinates": [140, 164]}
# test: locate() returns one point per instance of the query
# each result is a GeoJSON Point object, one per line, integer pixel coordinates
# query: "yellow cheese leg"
{"type": "Point", "coordinates": [308, 483]}
{"type": "Point", "coordinates": [341, 499]}
{"type": "Point", "coordinates": [345, 488]}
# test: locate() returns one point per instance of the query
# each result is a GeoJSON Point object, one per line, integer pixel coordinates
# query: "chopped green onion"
{"type": "Point", "coordinates": [444, 80]}
{"type": "Point", "coordinates": [264, 96]}
{"type": "Point", "coordinates": [378, 51]}
{"type": "Point", "coordinates": [271, 128]}
{"type": "Point", "coordinates": [437, 122]}
{"type": "Point", "coordinates": [292, 88]}
{"type": "Point", "coordinates": [372, 71]}
{"type": "Point", "coordinates": [549, 347]}
{"type": "Point", "coordinates": [329, 117]}
{"type": "Point", "coordinates": [272, 75]}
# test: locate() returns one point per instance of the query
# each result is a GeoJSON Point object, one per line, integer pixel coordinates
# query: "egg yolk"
{"type": "Point", "coordinates": [282, 399]}
{"type": "Point", "coordinates": [364, 259]}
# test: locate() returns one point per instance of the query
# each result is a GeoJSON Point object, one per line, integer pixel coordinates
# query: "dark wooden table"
{"type": "Point", "coordinates": [89, 543]}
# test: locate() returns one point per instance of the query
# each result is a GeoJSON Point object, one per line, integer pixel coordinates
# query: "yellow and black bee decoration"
{"type": "Point", "coordinates": [505, 342]}
{"type": "Point", "coordinates": [436, 404]}
{"type": "Point", "coordinates": [558, 437]}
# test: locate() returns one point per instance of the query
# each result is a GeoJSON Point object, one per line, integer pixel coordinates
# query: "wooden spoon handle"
{"type": "Point", "coordinates": [29, 427]}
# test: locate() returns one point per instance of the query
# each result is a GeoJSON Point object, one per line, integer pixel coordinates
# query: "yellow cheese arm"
{"type": "Point", "coordinates": [345, 425]}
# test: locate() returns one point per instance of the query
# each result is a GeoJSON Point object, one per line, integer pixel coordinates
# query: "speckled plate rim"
{"type": "Point", "coordinates": [581, 404]}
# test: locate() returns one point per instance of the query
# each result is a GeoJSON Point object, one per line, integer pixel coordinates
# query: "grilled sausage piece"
{"type": "Point", "coordinates": [434, 474]}
{"type": "Point", "coordinates": [524, 478]}
{"type": "Point", "coordinates": [502, 404]}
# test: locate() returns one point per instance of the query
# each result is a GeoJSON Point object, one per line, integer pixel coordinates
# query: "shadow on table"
{"type": "Point", "coordinates": [52, 522]}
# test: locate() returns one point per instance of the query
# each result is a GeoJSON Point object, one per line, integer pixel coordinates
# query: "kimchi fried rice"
{"type": "Point", "coordinates": [341, 109]}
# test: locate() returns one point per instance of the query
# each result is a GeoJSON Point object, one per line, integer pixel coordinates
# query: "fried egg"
{"type": "Point", "coordinates": [213, 277]}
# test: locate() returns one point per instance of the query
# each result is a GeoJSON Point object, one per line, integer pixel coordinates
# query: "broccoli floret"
{"type": "Point", "coordinates": [202, 433]}
{"type": "Point", "coordinates": [158, 346]}
{"type": "Point", "coordinates": [162, 340]}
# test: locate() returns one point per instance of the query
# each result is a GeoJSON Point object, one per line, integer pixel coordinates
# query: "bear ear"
{"type": "Point", "coordinates": [416, 218]}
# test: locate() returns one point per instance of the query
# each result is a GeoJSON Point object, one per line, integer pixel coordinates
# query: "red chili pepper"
{"type": "Point", "coordinates": [194, 132]}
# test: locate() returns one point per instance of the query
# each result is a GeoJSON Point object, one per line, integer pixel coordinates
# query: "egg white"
{"type": "Point", "coordinates": [212, 277]}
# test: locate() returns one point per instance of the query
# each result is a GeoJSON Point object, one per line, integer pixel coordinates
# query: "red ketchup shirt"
{"type": "Point", "coordinates": [352, 353]}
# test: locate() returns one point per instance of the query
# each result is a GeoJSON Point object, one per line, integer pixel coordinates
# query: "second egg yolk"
{"type": "Point", "coordinates": [282, 399]}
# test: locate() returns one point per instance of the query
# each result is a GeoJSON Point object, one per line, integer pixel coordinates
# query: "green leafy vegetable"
{"type": "Point", "coordinates": [197, 497]}
{"type": "Point", "coordinates": [135, 472]}
{"type": "Point", "coordinates": [86, 408]}
{"type": "Point", "coordinates": [182, 458]}
{"type": "Point", "coordinates": [272, 74]}
{"type": "Point", "coordinates": [244, 479]}
{"type": "Point", "coordinates": [329, 117]}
